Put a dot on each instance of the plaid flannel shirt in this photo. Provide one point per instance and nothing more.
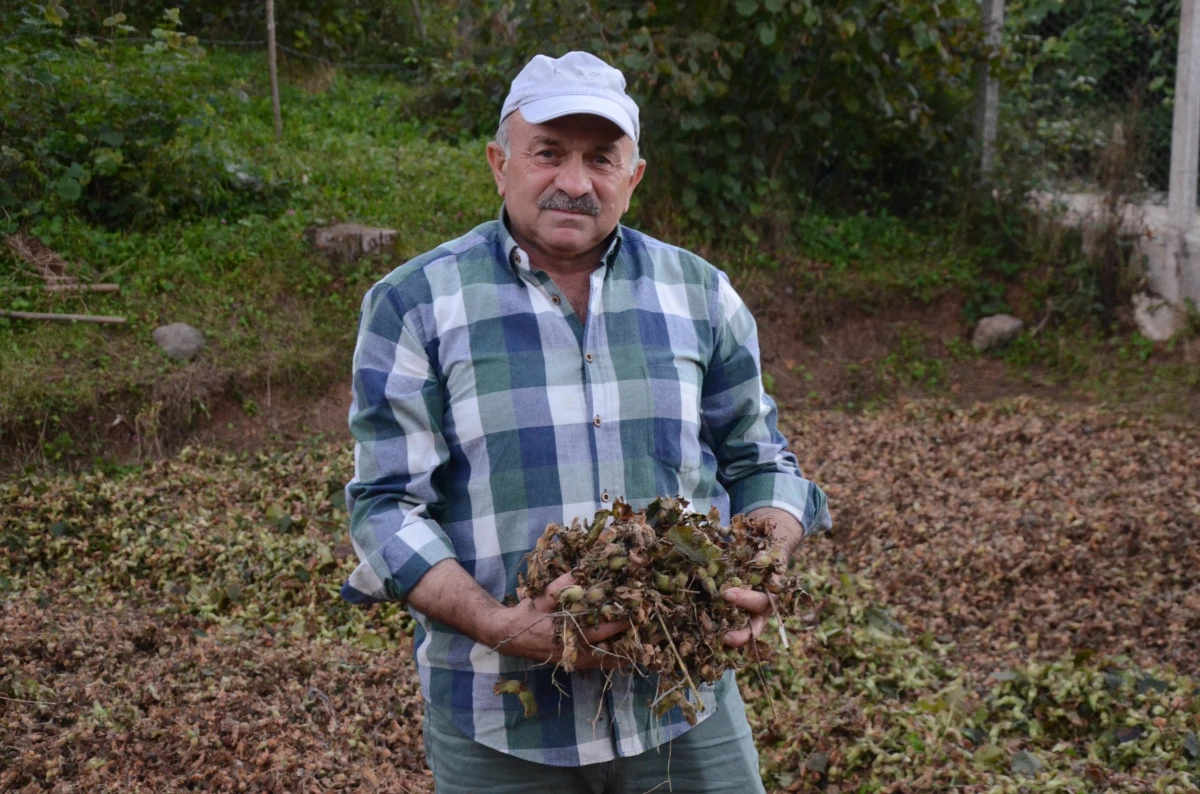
(484, 409)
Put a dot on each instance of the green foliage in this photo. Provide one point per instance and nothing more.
(269, 306)
(911, 364)
(1076, 66)
(114, 135)
(402, 32)
(859, 704)
(748, 107)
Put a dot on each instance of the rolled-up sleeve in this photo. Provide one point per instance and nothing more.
(396, 418)
(739, 423)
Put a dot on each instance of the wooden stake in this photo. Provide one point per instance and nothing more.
(72, 318)
(69, 288)
(271, 63)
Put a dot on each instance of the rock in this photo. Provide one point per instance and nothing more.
(817, 762)
(1026, 763)
(179, 340)
(1157, 319)
(996, 331)
(348, 242)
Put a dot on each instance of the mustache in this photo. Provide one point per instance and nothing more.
(558, 200)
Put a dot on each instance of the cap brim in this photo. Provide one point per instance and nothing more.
(543, 110)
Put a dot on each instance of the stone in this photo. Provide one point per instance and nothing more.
(1156, 318)
(180, 341)
(349, 242)
(1026, 763)
(996, 331)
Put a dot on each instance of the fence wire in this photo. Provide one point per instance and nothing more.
(1088, 94)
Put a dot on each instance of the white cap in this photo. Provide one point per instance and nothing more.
(578, 82)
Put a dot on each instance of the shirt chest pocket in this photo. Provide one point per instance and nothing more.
(674, 424)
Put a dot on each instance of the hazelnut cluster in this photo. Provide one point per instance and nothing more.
(664, 570)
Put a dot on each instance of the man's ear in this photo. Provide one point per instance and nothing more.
(634, 179)
(499, 164)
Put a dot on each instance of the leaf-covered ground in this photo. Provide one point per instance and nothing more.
(1010, 603)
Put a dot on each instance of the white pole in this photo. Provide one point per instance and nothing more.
(987, 97)
(1179, 278)
(273, 69)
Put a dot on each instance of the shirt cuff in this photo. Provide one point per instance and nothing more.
(801, 498)
(393, 570)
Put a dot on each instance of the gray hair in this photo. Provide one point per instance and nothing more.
(502, 140)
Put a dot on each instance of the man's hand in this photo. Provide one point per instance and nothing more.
(527, 630)
(787, 532)
(785, 529)
(757, 604)
(449, 594)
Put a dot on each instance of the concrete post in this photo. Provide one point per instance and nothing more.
(1179, 276)
(987, 90)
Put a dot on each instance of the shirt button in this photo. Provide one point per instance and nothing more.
(555, 300)
(604, 496)
(588, 357)
(516, 256)
(596, 421)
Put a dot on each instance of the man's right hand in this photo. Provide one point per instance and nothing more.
(528, 631)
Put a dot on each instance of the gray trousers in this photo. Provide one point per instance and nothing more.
(715, 757)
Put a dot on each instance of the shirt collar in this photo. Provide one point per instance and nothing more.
(519, 260)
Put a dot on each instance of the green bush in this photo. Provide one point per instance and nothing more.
(113, 134)
(750, 108)
(1076, 66)
(394, 31)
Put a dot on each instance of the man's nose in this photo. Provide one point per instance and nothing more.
(572, 177)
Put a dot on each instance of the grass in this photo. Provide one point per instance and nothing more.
(266, 302)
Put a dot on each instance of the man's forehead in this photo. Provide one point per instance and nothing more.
(596, 129)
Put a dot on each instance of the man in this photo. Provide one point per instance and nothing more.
(532, 371)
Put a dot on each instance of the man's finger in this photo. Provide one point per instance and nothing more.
(739, 637)
(603, 631)
(548, 601)
(749, 600)
(757, 624)
(561, 583)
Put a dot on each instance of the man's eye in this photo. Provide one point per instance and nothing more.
(602, 160)
(546, 153)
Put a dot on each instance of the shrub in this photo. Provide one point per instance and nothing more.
(113, 134)
(750, 106)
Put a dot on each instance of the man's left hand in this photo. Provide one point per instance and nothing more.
(787, 532)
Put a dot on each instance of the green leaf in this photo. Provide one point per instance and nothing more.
(766, 34)
(172, 15)
(774, 6)
(746, 7)
(68, 189)
(988, 755)
(684, 539)
(112, 138)
(55, 15)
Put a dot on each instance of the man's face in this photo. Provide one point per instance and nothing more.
(566, 183)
